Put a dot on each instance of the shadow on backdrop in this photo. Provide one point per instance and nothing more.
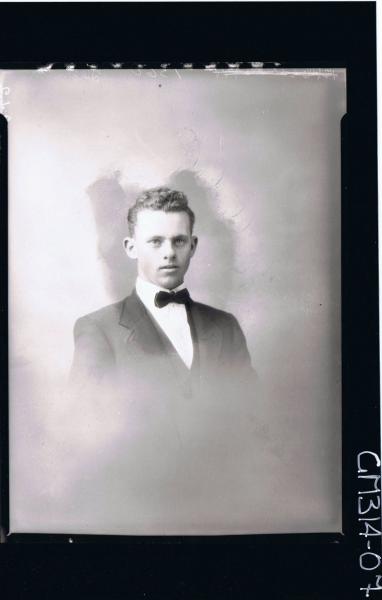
(109, 202)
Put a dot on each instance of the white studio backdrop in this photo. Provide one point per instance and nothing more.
(258, 154)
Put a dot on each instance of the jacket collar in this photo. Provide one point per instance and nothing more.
(141, 329)
(133, 310)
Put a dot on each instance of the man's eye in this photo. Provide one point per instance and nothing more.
(155, 242)
(180, 242)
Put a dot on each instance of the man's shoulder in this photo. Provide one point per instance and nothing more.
(103, 315)
(215, 314)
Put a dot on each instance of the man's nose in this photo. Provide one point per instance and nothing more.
(168, 249)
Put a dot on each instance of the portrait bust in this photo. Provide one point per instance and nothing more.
(159, 337)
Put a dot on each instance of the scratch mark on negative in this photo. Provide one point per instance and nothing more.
(246, 226)
(237, 213)
(219, 180)
(145, 146)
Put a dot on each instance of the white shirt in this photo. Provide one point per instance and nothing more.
(172, 319)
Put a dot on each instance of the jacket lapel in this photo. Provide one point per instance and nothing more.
(209, 338)
(141, 329)
(144, 335)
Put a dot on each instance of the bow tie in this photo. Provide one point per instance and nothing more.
(164, 298)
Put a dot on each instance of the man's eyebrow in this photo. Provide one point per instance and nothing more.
(155, 237)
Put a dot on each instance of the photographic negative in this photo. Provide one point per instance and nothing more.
(215, 410)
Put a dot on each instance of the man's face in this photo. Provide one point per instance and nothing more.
(163, 246)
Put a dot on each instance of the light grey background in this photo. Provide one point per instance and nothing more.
(258, 153)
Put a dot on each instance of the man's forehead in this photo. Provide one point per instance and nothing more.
(148, 219)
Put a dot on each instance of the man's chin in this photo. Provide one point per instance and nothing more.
(169, 281)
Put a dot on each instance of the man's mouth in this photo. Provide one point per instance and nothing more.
(169, 268)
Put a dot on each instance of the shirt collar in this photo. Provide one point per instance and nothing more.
(147, 290)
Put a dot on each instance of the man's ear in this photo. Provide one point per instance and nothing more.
(194, 243)
(130, 248)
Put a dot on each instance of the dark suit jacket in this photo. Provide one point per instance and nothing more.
(121, 345)
(167, 443)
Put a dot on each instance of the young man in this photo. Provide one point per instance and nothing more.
(159, 339)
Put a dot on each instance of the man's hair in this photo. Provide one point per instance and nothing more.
(161, 198)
